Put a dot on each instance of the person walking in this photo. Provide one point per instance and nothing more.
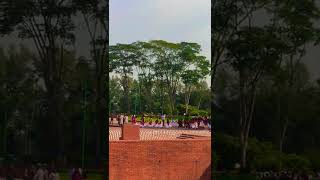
(39, 174)
(126, 119)
(53, 174)
(133, 119)
(121, 119)
(76, 175)
(163, 117)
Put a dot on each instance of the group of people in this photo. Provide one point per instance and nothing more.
(162, 122)
(286, 175)
(38, 172)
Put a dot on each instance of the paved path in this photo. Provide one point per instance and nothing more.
(157, 133)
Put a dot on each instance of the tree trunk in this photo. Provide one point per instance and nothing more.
(187, 98)
(244, 144)
(100, 107)
(199, 103)
(125, 86)
(247, 104)
(53, 84)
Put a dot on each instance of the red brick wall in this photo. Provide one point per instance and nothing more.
(160, 160)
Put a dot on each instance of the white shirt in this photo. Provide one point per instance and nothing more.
(39, 175)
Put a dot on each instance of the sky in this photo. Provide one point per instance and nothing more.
(169, 20)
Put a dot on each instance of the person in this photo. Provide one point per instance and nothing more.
(114, 119)
(209, 125)
(76, 175)
(40, 173)
(26, 174)
(118, 119)
(150, 124)
(32, 171)
(133, 119)
(45, 172)
(168, 124)
(121, 119)
(192, 124)
(163, 117)
(180, 123)
(126, 119)
(142, 121)
(53, 174)
(156, 124)
(201, 124)
(71, 172)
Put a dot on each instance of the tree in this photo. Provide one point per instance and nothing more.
(48, 23)
(94, 13)
(296, 28)
(252, 52)
(173, 62)
(122, 59)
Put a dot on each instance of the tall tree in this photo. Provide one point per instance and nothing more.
(123, 57)
(253, 51)
(295, 23)
(95, 16)
(48, 23)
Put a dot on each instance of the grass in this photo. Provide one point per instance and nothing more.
(90, 176)
(234, 177)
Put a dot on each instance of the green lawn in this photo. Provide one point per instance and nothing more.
(65, 176)
(234, 177)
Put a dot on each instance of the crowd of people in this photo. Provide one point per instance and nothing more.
(287, 175)
(38, 172)
(161, 121)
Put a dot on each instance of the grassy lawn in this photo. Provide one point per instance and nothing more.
(65, 176)
(234, 177)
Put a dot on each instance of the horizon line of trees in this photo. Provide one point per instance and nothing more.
(158, 77)
(260, 83)
(51, 27)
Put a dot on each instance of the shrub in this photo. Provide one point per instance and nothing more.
(313, 156)
(294, 162)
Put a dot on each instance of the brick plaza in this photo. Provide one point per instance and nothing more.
(158, 133)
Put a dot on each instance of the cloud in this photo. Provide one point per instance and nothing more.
(171, 20)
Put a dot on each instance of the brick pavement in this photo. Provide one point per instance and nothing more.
(158, 133)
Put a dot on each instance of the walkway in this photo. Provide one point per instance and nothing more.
(157, 133)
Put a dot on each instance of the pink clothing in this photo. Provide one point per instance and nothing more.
(133, 120)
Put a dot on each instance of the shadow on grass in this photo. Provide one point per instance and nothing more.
(233, 177)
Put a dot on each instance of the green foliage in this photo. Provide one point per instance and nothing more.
(295, 163)
(234, 177)
(313, 157)
(262, 155)
(193, 111)
(227, 148)
(260, 67)
(167, 73)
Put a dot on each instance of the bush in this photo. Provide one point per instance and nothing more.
(267, 161)
(228, 149)
(193, 111)
(294, 162)
(313, 156)
(260, 155)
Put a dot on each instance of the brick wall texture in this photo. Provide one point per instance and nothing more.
(187, 159)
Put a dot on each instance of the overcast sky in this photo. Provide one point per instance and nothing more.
(170, 20)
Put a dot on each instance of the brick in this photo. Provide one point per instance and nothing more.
(180, 159)
(130, 132)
